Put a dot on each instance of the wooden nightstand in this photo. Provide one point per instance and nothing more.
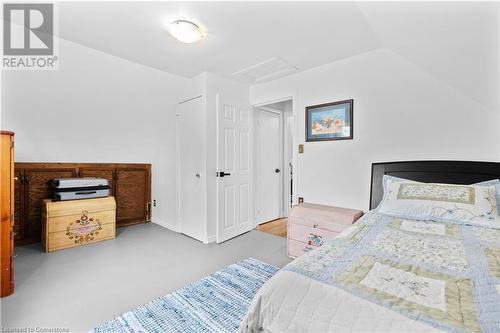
(310, 225)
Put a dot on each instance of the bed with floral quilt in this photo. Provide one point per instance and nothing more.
(394, 271)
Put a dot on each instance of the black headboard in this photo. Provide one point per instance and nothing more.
(448, 172)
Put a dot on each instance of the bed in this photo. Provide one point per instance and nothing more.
(394, 272)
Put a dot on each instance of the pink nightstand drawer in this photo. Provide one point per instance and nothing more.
(310, 235)
(296, 248)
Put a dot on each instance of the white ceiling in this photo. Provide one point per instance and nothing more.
(456, 42)
(240, 34)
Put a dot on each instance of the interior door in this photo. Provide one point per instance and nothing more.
(192, 183)
(268, 164)
(234, 165)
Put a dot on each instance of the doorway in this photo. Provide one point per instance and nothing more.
(273, 161)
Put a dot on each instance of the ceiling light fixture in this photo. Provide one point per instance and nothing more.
(186, 31)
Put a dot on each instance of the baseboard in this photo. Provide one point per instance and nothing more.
(258, 221)
(170, 226)
(211, 239)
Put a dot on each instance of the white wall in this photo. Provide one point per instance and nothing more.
(97, 108)
(400, 113)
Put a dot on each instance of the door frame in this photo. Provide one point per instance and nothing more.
(295, 142)
(257, 188)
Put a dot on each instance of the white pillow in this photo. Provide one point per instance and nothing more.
(430, 201)
(493, 182)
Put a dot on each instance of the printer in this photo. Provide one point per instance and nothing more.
(79, 188)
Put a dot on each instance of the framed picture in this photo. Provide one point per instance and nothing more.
(330, 121)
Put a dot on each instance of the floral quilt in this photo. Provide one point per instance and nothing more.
(446, 275)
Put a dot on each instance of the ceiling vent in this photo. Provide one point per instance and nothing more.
(266, 70)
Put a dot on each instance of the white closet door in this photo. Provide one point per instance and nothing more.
(191, 155)
(234, 160)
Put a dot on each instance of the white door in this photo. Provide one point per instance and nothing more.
(192, 185)
(268, 165)
(234, 165)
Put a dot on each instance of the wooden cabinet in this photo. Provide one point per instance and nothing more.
(100, 172)
(129, 183)
(131, 186)
(18, 202)
(7, 188)
(36, 188)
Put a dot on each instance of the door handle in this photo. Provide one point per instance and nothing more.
(223, 174)
(277, 170)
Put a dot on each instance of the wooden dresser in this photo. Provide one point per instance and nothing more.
(310, 225)
(7, 212)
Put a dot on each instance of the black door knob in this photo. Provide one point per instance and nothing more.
(223, 174)
(277, 170)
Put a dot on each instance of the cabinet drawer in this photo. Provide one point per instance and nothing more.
(310, 235)
(296, 248)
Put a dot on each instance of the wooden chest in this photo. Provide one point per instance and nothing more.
(73, 223)
(310, 225)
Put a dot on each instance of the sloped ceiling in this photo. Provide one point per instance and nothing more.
(457, 42)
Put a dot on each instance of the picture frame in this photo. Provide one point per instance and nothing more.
(329, 121)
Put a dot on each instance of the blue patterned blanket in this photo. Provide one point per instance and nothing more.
(444, 274)
(216, 303)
